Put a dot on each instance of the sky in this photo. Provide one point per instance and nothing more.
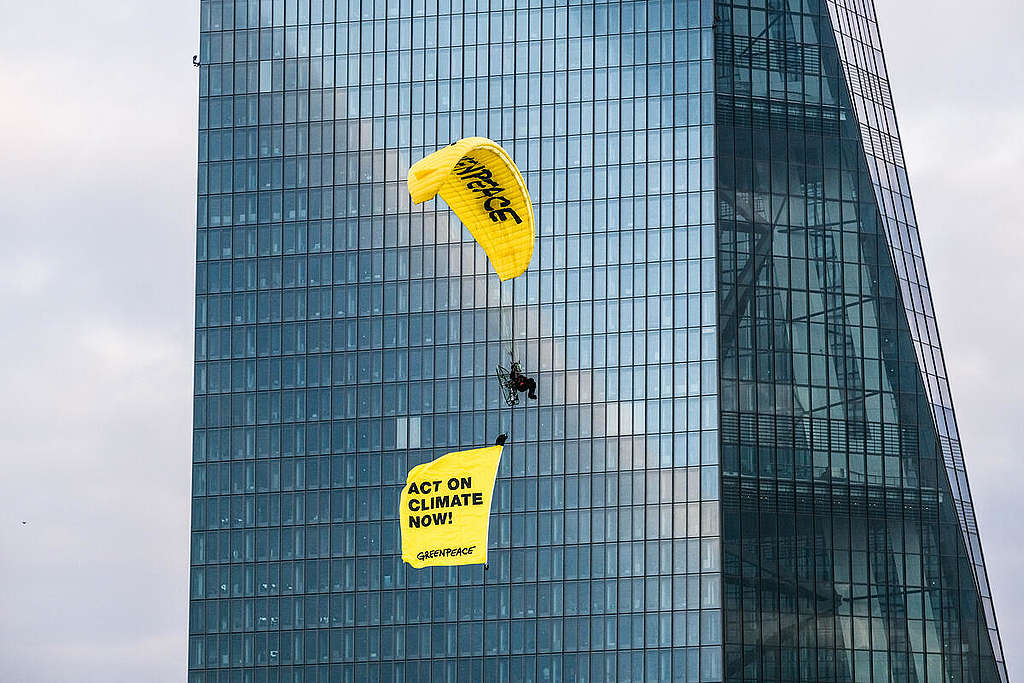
(97, 185)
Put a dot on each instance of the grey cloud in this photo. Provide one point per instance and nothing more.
(96, 282)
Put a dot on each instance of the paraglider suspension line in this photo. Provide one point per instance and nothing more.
(513, 344)
(512, 351)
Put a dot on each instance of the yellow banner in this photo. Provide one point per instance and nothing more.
(445, 507)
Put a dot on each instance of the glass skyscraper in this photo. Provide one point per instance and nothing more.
(744, 463)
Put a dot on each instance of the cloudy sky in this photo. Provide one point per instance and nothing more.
(97, 177)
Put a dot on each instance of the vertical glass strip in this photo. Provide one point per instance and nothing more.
(842, 552)
(860, 52)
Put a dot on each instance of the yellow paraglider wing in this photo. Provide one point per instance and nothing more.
(478, 180)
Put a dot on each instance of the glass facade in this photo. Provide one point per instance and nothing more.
(714, 274)
(344, 336)
(849, 545)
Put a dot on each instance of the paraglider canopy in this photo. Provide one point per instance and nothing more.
(478, 180)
